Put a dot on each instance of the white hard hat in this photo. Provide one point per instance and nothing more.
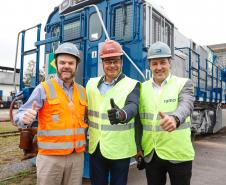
(159, 50)
(68, 48)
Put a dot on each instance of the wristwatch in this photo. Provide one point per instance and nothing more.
(177, 120)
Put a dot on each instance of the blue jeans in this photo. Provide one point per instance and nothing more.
(101, 168)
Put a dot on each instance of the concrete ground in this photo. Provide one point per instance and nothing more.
(209, 165)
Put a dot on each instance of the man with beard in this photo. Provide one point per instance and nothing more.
(60, 104)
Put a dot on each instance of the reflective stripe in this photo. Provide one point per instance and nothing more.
(81, 93)
(146, 116)
(159, 128)
(151, 116)
(181, 127)
(93, 113)
(93, 125)
(147, 127)
(51, 145)
(117, 127)
(51, 89)
(80, 131)
(104, 116)
(80, 143)
(111, 127)
(66, 132)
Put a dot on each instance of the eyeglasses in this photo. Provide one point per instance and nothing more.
(111, 61)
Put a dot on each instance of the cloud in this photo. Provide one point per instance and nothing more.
(19, 15)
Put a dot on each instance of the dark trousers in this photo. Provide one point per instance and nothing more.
(179, 173)
(101, 168)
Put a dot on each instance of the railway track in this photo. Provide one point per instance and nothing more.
(9, 134)
(4, 119)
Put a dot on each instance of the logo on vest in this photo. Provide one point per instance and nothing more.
(170, 101)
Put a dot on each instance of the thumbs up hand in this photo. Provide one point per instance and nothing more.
(30, 114)
(115, 114)
(113, 105)
(168, 123)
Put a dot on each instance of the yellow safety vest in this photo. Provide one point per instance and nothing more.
(174, 145)
(115, 141)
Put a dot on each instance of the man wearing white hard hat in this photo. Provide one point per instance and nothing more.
(60, 104)
(166, 102)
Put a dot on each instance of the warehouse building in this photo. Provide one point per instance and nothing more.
(6, 82)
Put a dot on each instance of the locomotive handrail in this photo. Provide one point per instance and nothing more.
(215, 71)
(16, 55)
(107, 36)
(15, 64)
(101, 20)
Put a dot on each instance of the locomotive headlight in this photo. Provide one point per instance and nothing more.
(69, 3)
(64, 5)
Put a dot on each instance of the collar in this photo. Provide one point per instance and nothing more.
(115, 81)
(163, 83)
(61, 82)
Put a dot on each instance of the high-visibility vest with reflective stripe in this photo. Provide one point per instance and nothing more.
(61, 128)
(174, 145)
(115, 141)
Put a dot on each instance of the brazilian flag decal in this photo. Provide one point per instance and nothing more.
(51, 64)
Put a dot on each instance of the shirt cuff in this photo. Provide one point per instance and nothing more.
(18, 121)
(125, 116)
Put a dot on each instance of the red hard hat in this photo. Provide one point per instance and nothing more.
(111, 48)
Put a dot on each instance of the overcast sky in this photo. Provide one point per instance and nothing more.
(201, 20)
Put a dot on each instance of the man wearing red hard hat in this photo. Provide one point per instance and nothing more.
(112, 106)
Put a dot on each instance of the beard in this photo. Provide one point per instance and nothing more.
(66, 75)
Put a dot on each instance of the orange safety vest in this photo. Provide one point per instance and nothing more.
(61, 127)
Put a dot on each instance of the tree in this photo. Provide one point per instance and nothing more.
(29, 75)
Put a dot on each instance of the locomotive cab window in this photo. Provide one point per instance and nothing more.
(95, 29)
(157, 28)
(72, 30)
(122, 22)
(55, 31)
